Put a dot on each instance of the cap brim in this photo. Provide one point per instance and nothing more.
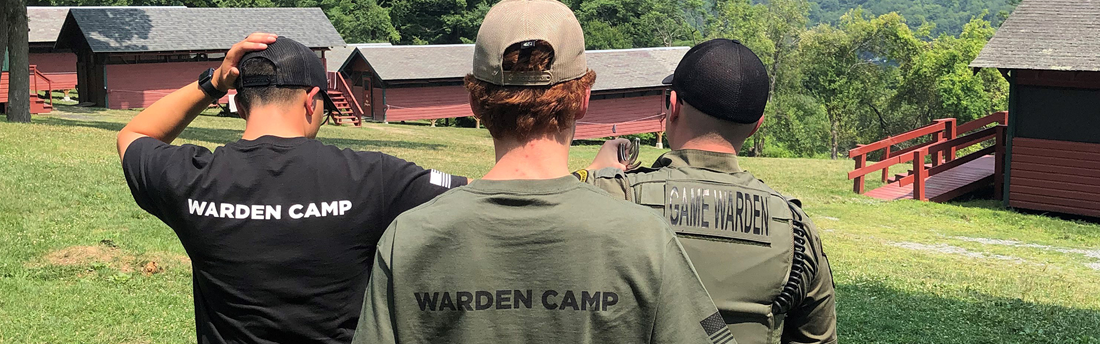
(668, 79)
(329, 105)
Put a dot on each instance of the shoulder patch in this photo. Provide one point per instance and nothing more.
(581, 174)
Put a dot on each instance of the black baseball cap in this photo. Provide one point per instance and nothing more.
(295, 65)
(724, 79)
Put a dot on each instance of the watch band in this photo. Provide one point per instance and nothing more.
(207, 87)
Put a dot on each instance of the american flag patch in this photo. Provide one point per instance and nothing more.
(441, 179)
(716, 329)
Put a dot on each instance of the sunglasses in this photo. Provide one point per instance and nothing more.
(668, 98)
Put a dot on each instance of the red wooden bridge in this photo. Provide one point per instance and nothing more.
(938, 174)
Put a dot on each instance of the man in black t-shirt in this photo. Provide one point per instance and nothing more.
(281, 229)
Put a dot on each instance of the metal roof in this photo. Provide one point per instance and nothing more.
(137, 29)
(1059, 35)
(615, 69)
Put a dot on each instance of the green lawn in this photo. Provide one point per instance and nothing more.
(73, 243)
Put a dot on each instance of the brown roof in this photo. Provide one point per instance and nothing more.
(1047, 35)
(615, 69)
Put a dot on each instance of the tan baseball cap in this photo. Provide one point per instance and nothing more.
(514, 21)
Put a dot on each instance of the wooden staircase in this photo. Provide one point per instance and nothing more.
(345, 116)
(948, 175)
(349, 110)
(38, 82)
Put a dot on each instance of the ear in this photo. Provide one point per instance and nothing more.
(240, 109)
(674, 107)
(584, 104)
(474, 108)
(758, 124)
(310, 103)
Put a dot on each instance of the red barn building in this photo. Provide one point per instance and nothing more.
(1049, 50)
(401, 83)
(57, 65)
(131, 57)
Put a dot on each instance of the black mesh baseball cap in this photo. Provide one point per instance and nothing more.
(295, 65)
(724, 79)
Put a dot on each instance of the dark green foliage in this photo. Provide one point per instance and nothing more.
(949, 16)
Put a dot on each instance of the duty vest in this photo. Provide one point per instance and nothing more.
(748, 243)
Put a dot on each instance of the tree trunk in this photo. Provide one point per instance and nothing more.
(19, 81)
(834, 136)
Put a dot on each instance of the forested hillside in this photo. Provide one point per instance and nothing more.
(949, 16)
(857, 76)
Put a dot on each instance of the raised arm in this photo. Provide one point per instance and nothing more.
(167, 117)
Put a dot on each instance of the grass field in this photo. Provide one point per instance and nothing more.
(74, 246)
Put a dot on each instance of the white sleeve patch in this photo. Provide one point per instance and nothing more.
(441, 179)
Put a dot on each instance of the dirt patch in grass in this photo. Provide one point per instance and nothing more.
(89, 256)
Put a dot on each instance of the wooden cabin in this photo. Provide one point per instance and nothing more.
(1049, 51)
(403, 83)
(131, 57)
(56, 64)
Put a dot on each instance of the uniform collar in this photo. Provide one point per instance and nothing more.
(719, 162)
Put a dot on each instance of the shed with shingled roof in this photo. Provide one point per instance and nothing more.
(1049, 51)
(131, 57)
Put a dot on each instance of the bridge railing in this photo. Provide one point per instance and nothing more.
(922, 172)
(941, 131)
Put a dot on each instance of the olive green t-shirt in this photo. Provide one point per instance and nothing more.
(534, 261)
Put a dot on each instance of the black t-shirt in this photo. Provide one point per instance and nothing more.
(281, 231)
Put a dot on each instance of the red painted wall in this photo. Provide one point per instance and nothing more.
(1055, 176)
(606, 117)
(60, 68)
(622, 116)
(406, 104)
(131, 86)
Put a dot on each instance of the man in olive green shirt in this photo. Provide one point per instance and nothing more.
(529, 254)
(757, 253)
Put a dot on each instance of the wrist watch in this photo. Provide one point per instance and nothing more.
(207, 87)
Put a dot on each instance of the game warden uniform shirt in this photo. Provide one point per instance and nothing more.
(281, 231)
(534, 261)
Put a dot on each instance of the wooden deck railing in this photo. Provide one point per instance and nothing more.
(35, 77)
(942, 147)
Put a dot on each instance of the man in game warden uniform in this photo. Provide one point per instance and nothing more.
(281, 229)
(529, 254)
(757, 253)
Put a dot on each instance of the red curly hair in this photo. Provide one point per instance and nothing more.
(523, 112)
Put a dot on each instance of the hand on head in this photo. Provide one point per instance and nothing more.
(226, 75)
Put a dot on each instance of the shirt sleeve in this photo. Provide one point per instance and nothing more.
(408, 185)
(685, 312)
(376, 322)
(612, 180)
(152, 167)
(814, 320)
